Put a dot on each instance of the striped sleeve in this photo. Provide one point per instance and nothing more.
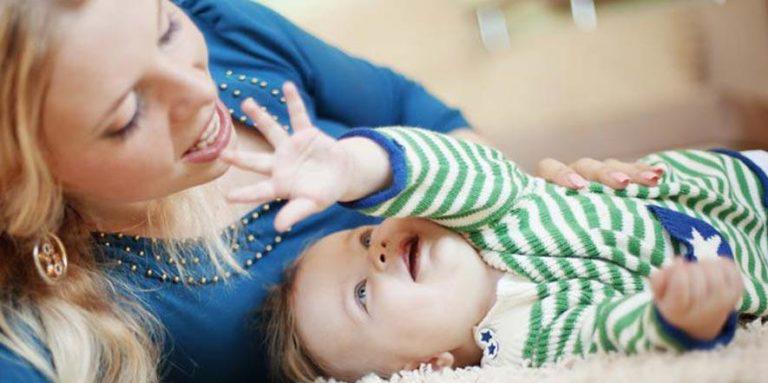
(458, 184)
(629, 324)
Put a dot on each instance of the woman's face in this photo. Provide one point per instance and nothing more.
(132, 113)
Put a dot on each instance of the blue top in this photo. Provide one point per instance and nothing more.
(253, 50)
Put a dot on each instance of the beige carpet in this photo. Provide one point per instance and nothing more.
(744, 360)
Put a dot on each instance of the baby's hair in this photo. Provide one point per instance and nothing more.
(289, 360)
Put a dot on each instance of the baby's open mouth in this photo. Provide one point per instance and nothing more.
(410, 252)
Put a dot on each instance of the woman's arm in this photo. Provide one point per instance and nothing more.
(336, 86)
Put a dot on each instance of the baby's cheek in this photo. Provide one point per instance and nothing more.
(414, 309)
(421, 325)
(451, 256)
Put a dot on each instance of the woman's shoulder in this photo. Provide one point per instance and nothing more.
(226, 14)
(246, 33)
(14, 368)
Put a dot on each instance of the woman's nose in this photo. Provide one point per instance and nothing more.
(194, 93)
(187, 90)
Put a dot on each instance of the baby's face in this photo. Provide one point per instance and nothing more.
(390, 297)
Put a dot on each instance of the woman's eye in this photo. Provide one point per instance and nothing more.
(361, 294)
(173, 27)
(365, 238)
(131, 126)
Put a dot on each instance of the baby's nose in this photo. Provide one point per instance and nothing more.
(379, 254)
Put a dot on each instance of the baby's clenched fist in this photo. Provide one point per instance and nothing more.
(698, 297)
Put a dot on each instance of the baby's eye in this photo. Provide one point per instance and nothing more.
(361, 293)
(365, 238)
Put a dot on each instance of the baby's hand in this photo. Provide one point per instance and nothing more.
(309, 168)
(698, 297)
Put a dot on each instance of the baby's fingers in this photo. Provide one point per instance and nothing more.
(659, 283)
(264, 122)
(255, 162)
(733, 280)
(715, 275)
(257, 194)
(679, 292)
(293, 212)
(296, 110)
(699, 283)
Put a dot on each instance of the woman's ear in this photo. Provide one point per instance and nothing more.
(438, 362)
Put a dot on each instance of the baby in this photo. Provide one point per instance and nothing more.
(479, 263)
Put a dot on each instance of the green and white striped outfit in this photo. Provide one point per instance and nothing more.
(578, 261)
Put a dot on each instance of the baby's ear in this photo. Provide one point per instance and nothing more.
(438, 362)
(441, 361)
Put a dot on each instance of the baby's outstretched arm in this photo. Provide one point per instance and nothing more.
(384, 172)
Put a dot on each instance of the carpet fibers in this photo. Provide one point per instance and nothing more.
(744, 360)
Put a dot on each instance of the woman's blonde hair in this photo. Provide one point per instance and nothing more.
(84, 328)
(290, 361)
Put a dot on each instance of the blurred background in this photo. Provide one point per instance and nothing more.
(571, 78)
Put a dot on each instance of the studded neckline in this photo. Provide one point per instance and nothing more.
(235, 85)
(146, 256)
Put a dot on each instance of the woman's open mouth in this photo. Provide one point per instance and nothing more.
(214, 138)
(410, 255)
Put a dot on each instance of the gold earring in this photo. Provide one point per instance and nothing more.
(50, 258)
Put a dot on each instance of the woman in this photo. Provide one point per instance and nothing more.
(116, 249)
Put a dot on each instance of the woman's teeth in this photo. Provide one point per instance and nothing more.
(210, 134)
